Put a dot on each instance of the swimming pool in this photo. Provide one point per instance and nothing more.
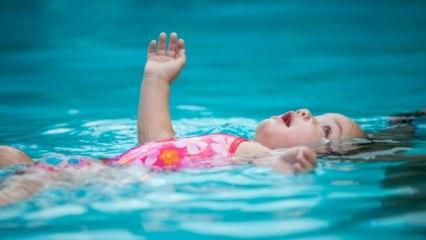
(70, 73)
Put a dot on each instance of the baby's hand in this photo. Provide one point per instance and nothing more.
(295, 159)
(165, 64)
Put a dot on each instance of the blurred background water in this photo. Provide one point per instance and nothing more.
(69, 81)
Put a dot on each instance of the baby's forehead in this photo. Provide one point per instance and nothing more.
(332, 116)
(337, 118)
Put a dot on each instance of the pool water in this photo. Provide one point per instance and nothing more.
(70, 74)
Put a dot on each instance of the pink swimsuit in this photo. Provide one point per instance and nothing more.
(171, 154)
(203, 151)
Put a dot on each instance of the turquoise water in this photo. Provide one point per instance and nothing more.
(70, 73)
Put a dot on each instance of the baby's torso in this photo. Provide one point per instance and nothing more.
(168, 154)
(193, 152)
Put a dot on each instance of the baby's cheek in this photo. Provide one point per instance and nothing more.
(293, 137)
(288, 141)
(308, 137)
(274, 133)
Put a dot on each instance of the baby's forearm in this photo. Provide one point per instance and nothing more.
(261, 160)
(282, 160)
(153, 115)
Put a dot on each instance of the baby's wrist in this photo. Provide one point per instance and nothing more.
(149, 77)
(156, 82)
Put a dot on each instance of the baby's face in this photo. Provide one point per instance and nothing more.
(301, 128)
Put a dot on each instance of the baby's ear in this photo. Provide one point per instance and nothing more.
(10, 156)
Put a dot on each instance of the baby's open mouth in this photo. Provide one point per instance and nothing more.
(287, 118)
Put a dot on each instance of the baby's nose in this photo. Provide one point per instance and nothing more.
(305, 113)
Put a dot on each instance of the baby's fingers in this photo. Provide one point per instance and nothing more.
(311, 156)
(151, 48)
(162, 44)
(298, 167)
(303, 161)
(171, 51)
(180, 50)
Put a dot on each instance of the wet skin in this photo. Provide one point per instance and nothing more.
(299, 127)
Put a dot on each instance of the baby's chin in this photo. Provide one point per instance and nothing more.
(263, 138)
(268, 140)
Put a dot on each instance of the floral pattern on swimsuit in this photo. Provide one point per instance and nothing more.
(173, 154)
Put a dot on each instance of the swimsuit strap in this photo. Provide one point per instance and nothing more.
(234, 146)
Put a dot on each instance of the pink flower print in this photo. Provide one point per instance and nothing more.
(132, 155)
(221, 145)
(186, 163)
(151, 158)
(193, 146)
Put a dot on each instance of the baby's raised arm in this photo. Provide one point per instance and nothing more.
(163, 65)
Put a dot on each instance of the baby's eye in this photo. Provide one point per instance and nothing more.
(327, 130)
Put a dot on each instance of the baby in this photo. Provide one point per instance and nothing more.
(280, 141)
(294, 128)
